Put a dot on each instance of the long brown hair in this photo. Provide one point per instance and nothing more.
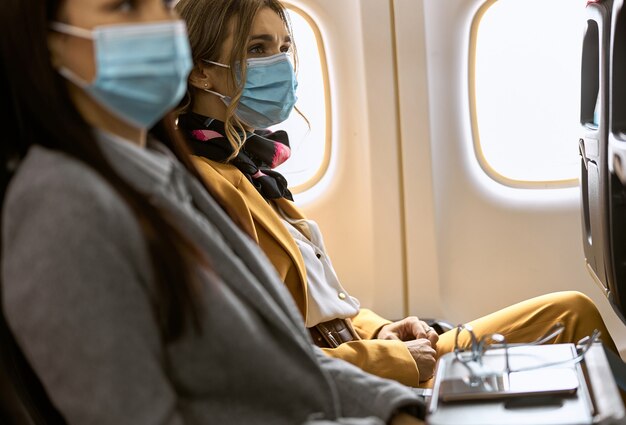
(208, 24)
(30, 87)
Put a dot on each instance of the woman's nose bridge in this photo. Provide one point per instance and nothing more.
(275, 46)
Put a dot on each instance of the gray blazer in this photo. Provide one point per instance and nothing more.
(77, 284)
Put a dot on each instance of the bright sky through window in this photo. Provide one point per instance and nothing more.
(307, 144)
(527, 76)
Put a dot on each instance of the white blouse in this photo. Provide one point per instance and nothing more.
(326, 299)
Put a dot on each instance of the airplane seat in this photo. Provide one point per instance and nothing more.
(24, 400)
(600, 196)
(617, 158)
(440, 326)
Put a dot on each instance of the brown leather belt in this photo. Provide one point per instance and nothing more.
(333, 333)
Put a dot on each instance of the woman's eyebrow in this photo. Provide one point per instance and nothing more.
(267, 37)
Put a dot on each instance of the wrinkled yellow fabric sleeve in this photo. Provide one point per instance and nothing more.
(367, 323)
(385, 358)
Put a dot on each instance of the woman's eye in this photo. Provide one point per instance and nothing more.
(256, 49)
(123, 6)
(285, 49)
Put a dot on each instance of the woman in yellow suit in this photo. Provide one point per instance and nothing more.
(243, 81)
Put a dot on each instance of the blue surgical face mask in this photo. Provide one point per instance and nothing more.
(269, 93)
(141, 69)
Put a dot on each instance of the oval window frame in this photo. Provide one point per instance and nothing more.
(484, 164)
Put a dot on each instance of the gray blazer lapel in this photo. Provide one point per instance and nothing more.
(236, 259)
(239, 262)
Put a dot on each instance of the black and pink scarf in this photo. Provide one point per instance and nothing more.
(262, 151)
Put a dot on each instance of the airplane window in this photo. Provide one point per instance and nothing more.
(526, 90)
(310, 143)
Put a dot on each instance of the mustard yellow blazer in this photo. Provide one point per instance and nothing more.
(385, 358)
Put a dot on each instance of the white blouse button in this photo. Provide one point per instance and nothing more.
(342, 296)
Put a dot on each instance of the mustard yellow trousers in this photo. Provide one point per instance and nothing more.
(528, 320)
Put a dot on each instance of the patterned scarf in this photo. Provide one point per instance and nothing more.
(262, 151)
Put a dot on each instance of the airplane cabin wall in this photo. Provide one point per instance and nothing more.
(359, 211)
(411, 222)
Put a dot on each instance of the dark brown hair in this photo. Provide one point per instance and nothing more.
(38, 110)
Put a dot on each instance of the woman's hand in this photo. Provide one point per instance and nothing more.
(425, 357)
(419, 338)
(408, 329)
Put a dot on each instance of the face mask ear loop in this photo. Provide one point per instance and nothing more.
(71, 76)
(71, 30)
(221, 96)
(76, 32)
(216, 63)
